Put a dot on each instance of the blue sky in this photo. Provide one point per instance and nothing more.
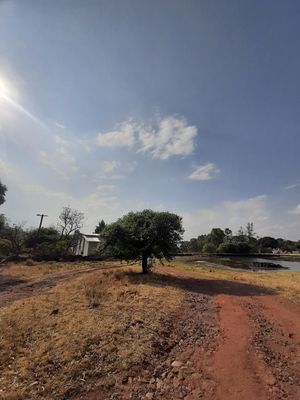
(192, 107)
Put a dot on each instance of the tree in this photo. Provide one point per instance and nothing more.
(101, 225)
(267, 243)
(216, 236)
(228, 235)
(16, 236)
(209, 248)
(250, 231)
(3, 190)
(140, 235)
(70, 221)
(44, 235)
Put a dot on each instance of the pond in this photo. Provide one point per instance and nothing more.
(252, 263)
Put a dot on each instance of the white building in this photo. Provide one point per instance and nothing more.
(87, 245)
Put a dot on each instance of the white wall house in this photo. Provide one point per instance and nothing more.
(87, 245)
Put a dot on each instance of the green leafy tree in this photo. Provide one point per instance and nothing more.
(202, 240)
(143, 235)
(3, 190)
(228, 235)
(99, 228)
(16, 235)
(216, 236)
(209, 248)
(44, 235)
(267, 243)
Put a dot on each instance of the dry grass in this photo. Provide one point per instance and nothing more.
(286, 283)
(57, 344)
(42, 269)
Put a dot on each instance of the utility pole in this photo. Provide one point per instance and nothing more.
(41, 222)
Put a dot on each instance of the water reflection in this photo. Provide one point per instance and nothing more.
(252, 263)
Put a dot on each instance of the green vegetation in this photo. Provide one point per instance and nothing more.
(3, 190)
(99, 228)
(245, 241)
(143, 235)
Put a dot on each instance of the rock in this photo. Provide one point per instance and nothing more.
(176, 364)
(270, 380)
(159, 383)
(149, 395)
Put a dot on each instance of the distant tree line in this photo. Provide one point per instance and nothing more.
(244, 241)
(136, 236)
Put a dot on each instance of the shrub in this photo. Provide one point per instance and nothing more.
(94, 291)
(29, 262)
(5, 247)
(227, 248)
(51, 251)
(209, 248)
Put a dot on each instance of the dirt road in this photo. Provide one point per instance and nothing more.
(229, 341)
(12, 289)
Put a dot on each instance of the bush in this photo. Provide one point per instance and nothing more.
(5, 247)
(29, 262)
(227, 248)
(50, 251)
(44, 235)
(95, 291)
(209, 248)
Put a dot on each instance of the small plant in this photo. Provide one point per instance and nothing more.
(29, 262)
(94, 292)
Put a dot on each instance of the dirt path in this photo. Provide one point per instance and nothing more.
(237, 372)
(242, 344)
(12, 289)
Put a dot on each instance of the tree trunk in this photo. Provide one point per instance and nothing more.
(145, 263)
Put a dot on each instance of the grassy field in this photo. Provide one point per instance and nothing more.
(286, 283)
(56, 344)
(53, 343)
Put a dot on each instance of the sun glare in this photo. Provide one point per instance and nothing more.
(6, 90)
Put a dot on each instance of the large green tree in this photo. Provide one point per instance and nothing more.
(3, 190)
(140, 235)
(99, 228)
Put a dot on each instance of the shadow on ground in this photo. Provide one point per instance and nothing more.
(7, 282)
(210, 287)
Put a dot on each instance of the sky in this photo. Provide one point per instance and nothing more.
(192, 106)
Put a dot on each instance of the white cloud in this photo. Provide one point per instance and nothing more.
(61, 141)
(61, 126)
(110, 166)
(293, 186)
(205, 172)
(172, 136)
(296, 210)
(100, 202)
(232, 214)
(61, 162)
(123, 136)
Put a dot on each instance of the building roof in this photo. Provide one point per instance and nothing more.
(91, 237)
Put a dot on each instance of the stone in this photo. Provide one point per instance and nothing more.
(176, 364)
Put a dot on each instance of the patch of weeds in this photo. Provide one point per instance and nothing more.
(94, 291)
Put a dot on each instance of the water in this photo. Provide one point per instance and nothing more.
(253, 263)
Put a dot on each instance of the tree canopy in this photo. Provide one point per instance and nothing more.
(140, 235)
(101, 225)
(3, 190)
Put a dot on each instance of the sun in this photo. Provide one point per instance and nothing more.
(6, 90)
